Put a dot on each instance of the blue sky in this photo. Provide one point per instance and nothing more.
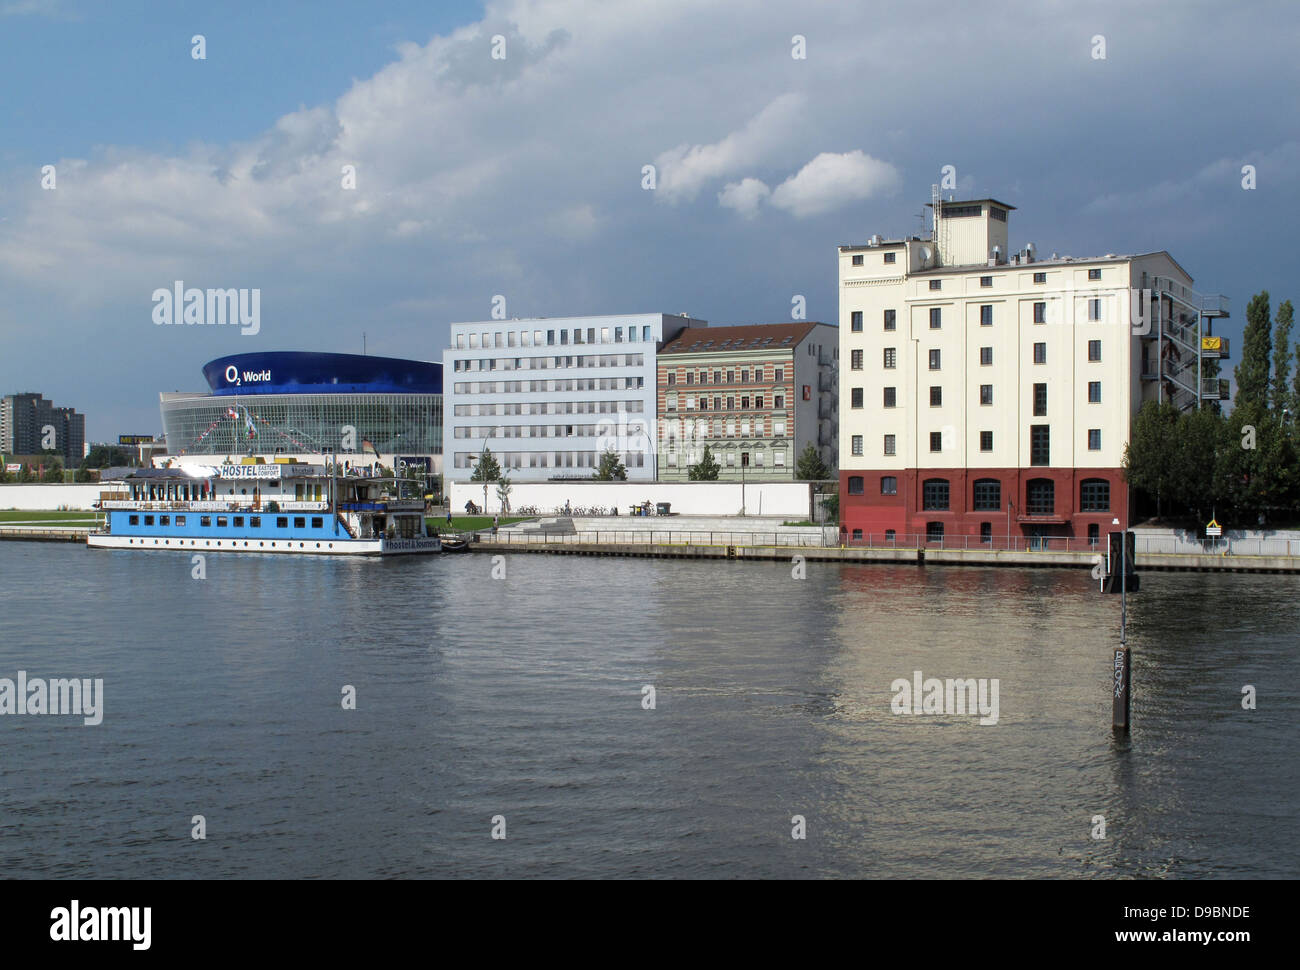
(522, 176)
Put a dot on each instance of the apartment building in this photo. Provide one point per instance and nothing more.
(755, 395)
(549, 395)
(991, 395)
(29, 425)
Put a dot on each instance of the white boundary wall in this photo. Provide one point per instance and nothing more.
(50, 496)
(788, 499)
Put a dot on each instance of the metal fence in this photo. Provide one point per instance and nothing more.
(1150, 545)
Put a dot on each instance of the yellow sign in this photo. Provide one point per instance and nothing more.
(1211, 343)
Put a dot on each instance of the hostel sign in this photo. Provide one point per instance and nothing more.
(249, 471)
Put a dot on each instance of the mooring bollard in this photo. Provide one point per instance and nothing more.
(1120, 703)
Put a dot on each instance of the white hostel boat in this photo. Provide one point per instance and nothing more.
(282, 507)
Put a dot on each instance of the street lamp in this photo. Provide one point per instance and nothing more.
(485, 484)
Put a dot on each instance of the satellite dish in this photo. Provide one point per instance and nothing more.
(925, 254)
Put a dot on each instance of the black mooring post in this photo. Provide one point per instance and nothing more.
(1120, 706)
(1122, 551)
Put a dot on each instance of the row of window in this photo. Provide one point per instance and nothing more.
(986, 396)
(728, 458)
(548, 363)
(549, 338)
(1095, 315)
(1040, 443)
(704, 429)
(986, 494)
(889, 356)
(778, 375)
(223, 522)
(670, 402)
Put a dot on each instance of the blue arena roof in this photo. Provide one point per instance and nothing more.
(293, 372)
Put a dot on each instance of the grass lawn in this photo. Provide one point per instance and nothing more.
(21, 515)
(803, 523)
(469, 523)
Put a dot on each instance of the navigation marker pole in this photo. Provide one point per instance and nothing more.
(1122, 552)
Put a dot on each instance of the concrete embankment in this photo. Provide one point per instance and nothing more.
(42, 533)
(919, 557)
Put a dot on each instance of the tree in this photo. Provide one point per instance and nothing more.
(611, 468)
(53, 473)
(106, 456)
(1149, 456)
(486, 469)
(503, 493)
(708, 468)
(1282, 397)
(810, 467)
(1256, 349)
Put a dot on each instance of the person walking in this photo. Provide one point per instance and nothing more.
(496, 520)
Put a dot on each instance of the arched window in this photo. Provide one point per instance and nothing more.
(1094, 495)
(934, 495)
(1040, 496)
(987, 495)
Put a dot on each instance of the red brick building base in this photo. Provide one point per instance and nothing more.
(867, 511)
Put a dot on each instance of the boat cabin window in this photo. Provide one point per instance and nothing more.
(316, 522)
(239, 522)
(164, 520)
(135, 520)
(299, 522)
(255, 521)
(148, 520)
(180, 520)
(221, 521)
(282, 522)
(205, 521)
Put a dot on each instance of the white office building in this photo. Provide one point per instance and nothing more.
(549, 395)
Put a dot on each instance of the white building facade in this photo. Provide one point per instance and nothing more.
(987, 396)
(549, 395)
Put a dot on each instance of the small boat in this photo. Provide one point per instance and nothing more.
(456, 543)
(283, 507)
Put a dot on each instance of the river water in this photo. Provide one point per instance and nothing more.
(521, 696)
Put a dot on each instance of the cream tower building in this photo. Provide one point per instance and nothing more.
(988, 395)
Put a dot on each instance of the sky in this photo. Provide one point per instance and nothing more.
(521, 175)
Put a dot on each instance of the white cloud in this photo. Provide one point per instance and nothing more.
(744, 196)
(684, 170)
(832, 180)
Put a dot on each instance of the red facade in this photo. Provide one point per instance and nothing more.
(1026, 505)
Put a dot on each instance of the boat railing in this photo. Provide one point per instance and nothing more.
(215, 506)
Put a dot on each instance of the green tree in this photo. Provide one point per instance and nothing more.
(1150, 455)
(1256, 350)
(503, 494)
(708, 468)
(486, 469)
(53, 473)
(810, 467)
(611, 468)
(1256, 466)
(1198, 436)
(1282, 398)
(106, 456)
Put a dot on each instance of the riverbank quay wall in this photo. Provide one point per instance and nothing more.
(1038, 559)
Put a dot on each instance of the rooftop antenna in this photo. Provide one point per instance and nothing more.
(920, 222)
(363, 343)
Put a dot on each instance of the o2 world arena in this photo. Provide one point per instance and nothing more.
(304, 405)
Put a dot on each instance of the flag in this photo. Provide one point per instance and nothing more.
(232, 413)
